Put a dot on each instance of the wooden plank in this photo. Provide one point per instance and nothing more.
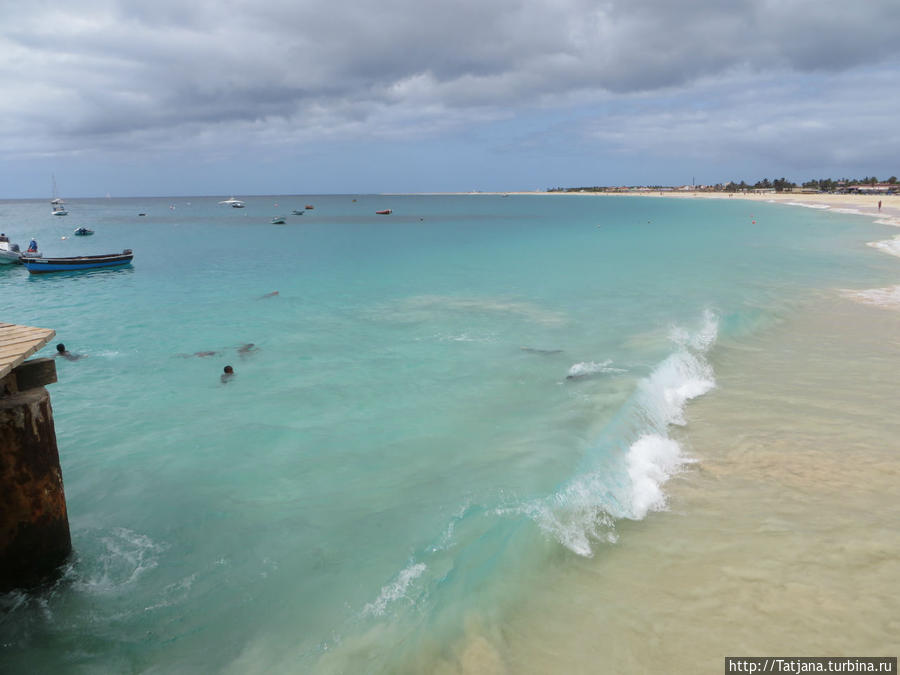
(12, 342)
(9, 353)
(17, 343)
(10, 331)
(19, 339)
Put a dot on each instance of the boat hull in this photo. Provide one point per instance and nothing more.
(86, 262)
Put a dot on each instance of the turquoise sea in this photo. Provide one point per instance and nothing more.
(439, 408)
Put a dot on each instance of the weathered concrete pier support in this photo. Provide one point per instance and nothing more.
(34, 524)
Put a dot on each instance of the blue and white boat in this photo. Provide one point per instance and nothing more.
(82, 262)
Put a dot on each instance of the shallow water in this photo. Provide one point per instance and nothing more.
(446, 414)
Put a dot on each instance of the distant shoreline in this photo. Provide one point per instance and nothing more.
(865, 205)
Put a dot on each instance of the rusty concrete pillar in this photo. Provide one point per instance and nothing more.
(34, 524)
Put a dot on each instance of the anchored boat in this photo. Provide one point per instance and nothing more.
(75, 263)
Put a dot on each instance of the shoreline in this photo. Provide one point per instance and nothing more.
(852, 204)
(785, 518)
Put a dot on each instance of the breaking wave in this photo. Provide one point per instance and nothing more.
(625, 473)
(622, 477)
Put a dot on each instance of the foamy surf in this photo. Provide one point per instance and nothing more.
(590, 368)
(630, 485)
(395, 590)
(889, 246)
(809, 206)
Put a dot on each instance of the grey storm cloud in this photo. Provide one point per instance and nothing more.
(91, 73)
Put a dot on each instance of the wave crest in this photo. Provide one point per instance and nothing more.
(630, 465)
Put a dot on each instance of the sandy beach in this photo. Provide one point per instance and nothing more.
(859, 204)
(842, 203)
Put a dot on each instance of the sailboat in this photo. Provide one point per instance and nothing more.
(57, 209)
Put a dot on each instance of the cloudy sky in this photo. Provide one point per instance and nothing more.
(195, 97)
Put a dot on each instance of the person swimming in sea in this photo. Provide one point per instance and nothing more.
(66, 354)
(227, 374)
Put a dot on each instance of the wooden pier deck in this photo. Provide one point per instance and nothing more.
(17, 343)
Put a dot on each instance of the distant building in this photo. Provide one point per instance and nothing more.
(880, 188)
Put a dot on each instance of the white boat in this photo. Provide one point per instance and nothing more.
(9, 253)
(233, 203)
(57, 209)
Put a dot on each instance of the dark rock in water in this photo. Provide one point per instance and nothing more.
(532, 350)
(247, 349)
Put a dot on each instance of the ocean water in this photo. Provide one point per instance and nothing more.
(438, 412)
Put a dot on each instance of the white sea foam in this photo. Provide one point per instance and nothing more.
(889, 246)
(395, 590)
(588, 368)
(652, 460)
(127, 556)
(584, 510)
(808, 206)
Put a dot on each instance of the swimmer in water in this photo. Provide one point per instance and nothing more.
(66, 354)
(227, 374)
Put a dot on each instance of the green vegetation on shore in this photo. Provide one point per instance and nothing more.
(778, 185)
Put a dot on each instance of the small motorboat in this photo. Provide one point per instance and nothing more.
(297, 212)
(9, 253)
(83, 232)
(385, 212)
(77, 263)
(278, 220)
(309, 207)
(233, 203)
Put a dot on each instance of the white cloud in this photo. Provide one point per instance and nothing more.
(99, 76)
